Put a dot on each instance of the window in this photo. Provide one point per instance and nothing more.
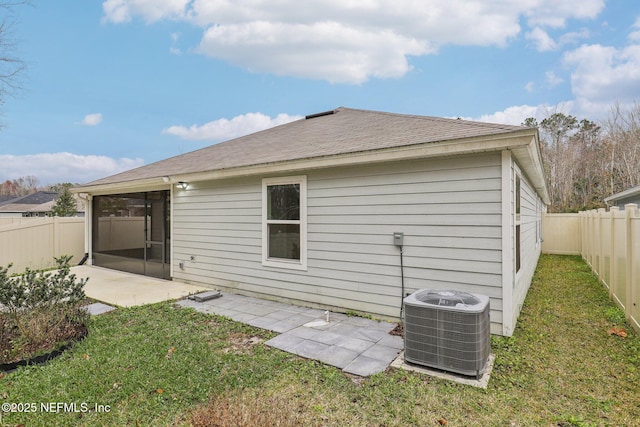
(284, 222)
(517, 231)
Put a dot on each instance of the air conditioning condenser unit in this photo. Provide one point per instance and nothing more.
(447, 330)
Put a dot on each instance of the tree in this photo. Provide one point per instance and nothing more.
(19, 186)
(591, 166)
(65, 204)
(556, 131)
(530, 122)
(11, 67)
(585, 162)
(623, 131)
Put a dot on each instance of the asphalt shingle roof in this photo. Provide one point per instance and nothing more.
(6, 199)
(342, 131)
(39, 201)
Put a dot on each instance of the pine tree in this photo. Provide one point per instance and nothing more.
(65, 204)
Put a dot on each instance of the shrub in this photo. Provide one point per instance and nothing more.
(39, 309)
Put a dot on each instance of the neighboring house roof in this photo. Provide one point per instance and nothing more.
(337, 137)
(631, 193)
(6, 199)
(41, 201)
(37, 198)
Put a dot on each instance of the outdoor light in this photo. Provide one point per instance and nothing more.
(165, 179)
(183, 185)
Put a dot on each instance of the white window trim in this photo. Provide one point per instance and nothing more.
(300, 264)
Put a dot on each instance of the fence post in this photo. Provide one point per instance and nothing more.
(56, 237)
(630, 211)
(587, 238)
(613, 210)
(600, 214)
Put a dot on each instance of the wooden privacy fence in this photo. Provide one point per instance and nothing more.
(611, 246)
(36, 242)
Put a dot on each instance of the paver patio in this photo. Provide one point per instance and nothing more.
(356, 345)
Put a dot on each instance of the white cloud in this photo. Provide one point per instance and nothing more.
(529, 87)
(52, 168)
(573, 37)
(120, 11)
(174, 40)
(551, 79)
(603, 73)
(554, 13)
(350, 41)
(514, 115)
(224, 129)
(324, 51)
(542, 41)
(92, 119)
(634, 36)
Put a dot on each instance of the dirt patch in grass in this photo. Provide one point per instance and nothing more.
(241, 343)
(252, 410)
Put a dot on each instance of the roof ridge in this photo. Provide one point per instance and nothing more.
(437, 118)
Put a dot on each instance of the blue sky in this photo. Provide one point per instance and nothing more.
(117, 84)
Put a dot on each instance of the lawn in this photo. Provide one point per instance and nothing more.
(159, 365)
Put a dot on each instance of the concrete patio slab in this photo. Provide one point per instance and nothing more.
(337, 356)
(98, 308)
(482, 382)
(305, 333)
(127, 290)
(366, 366)
(310, 349)
(381, 352)
(394, 341)
(286, 342)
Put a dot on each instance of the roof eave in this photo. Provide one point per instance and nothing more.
(523, 144)
(146, 184)
(634, 191)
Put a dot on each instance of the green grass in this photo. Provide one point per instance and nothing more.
(158, 365)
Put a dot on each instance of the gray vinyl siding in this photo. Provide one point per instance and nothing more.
(531, 213)
(449, 210)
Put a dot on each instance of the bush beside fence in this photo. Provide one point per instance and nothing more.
(35, 243)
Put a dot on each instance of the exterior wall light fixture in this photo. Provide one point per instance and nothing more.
(182, 185)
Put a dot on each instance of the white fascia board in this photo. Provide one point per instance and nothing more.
(147, 184)
(530, 160)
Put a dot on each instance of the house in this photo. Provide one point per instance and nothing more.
(631, 195)
(306, 212)
(36, 204)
